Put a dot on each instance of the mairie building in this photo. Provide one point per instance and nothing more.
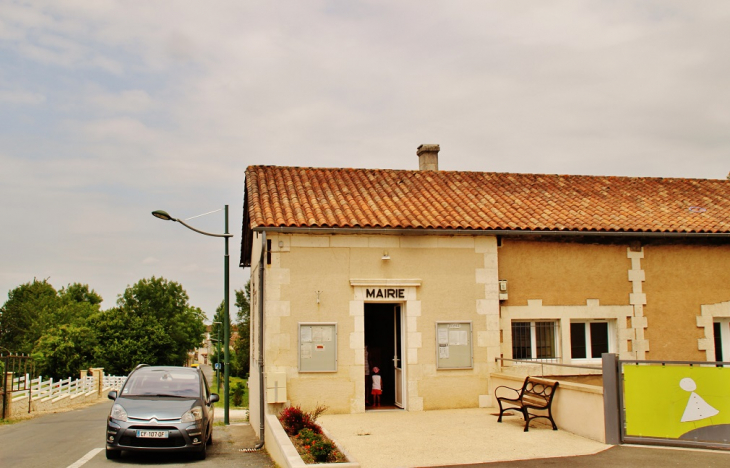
(436, 276)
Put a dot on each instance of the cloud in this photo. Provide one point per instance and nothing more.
(124, 130)
(150, 261)
(112, 109)
(132, 101)
(21, 97)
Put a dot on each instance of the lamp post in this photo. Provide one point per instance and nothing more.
(227, 321)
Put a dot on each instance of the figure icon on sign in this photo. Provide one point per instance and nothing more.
(697, 408)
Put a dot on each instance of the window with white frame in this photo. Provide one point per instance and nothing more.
(589, 340)
(534, 340)
(722, 339)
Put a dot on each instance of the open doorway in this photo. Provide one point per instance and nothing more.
(384, 348)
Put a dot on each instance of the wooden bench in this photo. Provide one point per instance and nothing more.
(535, 394)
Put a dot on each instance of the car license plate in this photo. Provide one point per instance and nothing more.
(152, 434)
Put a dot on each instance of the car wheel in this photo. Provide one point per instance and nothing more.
(113, 454)
(202, 453)
(210, 437)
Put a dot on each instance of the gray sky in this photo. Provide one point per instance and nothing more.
(112, 109)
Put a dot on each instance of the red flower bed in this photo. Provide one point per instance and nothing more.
(307, 437)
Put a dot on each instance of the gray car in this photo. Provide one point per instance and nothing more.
(161, 409)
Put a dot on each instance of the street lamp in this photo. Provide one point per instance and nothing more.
(218, 359)
(226, 322)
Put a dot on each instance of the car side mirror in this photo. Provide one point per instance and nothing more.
(213, 398)
(112, 395)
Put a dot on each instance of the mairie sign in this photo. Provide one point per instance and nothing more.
(385, 293)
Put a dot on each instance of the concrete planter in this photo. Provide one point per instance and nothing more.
(283, 452)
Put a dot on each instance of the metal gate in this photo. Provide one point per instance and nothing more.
(11, 366)
(678, 403)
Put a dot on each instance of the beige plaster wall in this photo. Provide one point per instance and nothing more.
(561, 273)
(679, 280)
(309, 280)
(452, 389)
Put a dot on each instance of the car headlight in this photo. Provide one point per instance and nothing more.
(118, 413)
(194, 414)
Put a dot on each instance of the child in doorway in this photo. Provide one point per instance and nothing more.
(377, 386)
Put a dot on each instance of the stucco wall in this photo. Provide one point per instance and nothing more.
(561, 273)
(679, 280)
(309, 280)
(665, 284)
(573, 281)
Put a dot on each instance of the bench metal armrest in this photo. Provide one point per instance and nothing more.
(516, 390)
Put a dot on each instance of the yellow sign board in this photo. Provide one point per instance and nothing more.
(677, 402)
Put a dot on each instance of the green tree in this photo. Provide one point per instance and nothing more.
(77, 303)
(216, 331)
(241, 345)
(239, 342)
(51, 326)
(126, 340)
(153, 323)
(80, 293)
(26, 315)
(64, 350)
(34, 309)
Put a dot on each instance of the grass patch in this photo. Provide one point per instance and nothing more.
(233, 381)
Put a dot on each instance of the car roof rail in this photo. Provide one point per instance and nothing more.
(141, 365)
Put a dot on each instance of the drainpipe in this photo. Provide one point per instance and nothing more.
(261, 340)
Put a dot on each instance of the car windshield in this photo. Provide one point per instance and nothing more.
(158, 382)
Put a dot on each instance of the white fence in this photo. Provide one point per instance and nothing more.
(114, 382)
(39, 389)
(27, 396)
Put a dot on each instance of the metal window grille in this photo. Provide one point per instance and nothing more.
(545, 340)
(521, 340)
(533, 340)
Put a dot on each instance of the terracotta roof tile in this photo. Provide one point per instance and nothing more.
(377, 198)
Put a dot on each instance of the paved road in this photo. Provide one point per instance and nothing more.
(208, 371)
(54, 440)
(76, 438)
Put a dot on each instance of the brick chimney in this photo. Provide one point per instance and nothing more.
(428, 157)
